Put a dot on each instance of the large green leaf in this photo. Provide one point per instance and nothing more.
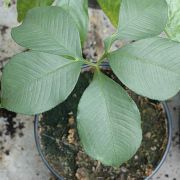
(34, 82)
(24, 5)
(111, 8)
(140, 19)
(49, 29)
(173, 25)
(108, 122)
(150, 67)
(79, 12)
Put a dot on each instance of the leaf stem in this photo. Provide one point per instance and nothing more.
(89, 63)
(167, 34)
(102, 58)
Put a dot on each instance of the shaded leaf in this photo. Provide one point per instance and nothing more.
(51, 30)
(173, 25)
(34, 82)
(79, 11)
(140, 19)
(23, 6)
(108, 122)
(150, 67)
(111, 9)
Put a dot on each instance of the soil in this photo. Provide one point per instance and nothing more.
(61, 146)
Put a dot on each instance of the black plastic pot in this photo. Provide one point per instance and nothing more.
(169, 129)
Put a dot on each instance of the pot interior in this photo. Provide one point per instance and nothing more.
(62, 149)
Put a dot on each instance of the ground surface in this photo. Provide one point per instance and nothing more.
(19, 159)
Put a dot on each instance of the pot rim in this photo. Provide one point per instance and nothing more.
(169, 128)
(169, 133)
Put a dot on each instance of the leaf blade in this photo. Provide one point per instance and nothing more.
(108, 122)
(111, 9)
(51, 30)
(34, 82)
(142, 19)
(139, 20)
(150, 67)
(23, 6)
(79, 11)
(172, 27)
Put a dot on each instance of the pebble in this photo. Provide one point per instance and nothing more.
(148, 135)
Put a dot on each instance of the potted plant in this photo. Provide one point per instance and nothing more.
(108, 120)
(59, 145)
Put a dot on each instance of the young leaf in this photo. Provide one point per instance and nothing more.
(150, 67)
(34, 82)
(108, 122)
(140, 19)
(24, 5)
(173, 25)
(79, 12)
(51, 30)
(111, 8)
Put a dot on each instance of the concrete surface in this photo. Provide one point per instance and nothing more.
(171, 167)
(19, 159)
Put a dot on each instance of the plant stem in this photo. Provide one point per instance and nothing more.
(102, 58)
(90, 63)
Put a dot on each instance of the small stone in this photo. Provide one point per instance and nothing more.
(149, 171)
(75, 95)
(136, 157)
(148, 135)
(153, 148)
(155, 140)
(123, 169)
(71, 136)
(82, 174)
(71, 120)
(93, 169)
(70, 113)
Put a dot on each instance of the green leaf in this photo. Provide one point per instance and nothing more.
(150, 67)
(108, 122)
(173, 25)
(34, 82)
(51, 30)
(23, 6)
(78, 9)
(139, 20)
(111, 8)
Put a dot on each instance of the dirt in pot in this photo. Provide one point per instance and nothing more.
(62, 149)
